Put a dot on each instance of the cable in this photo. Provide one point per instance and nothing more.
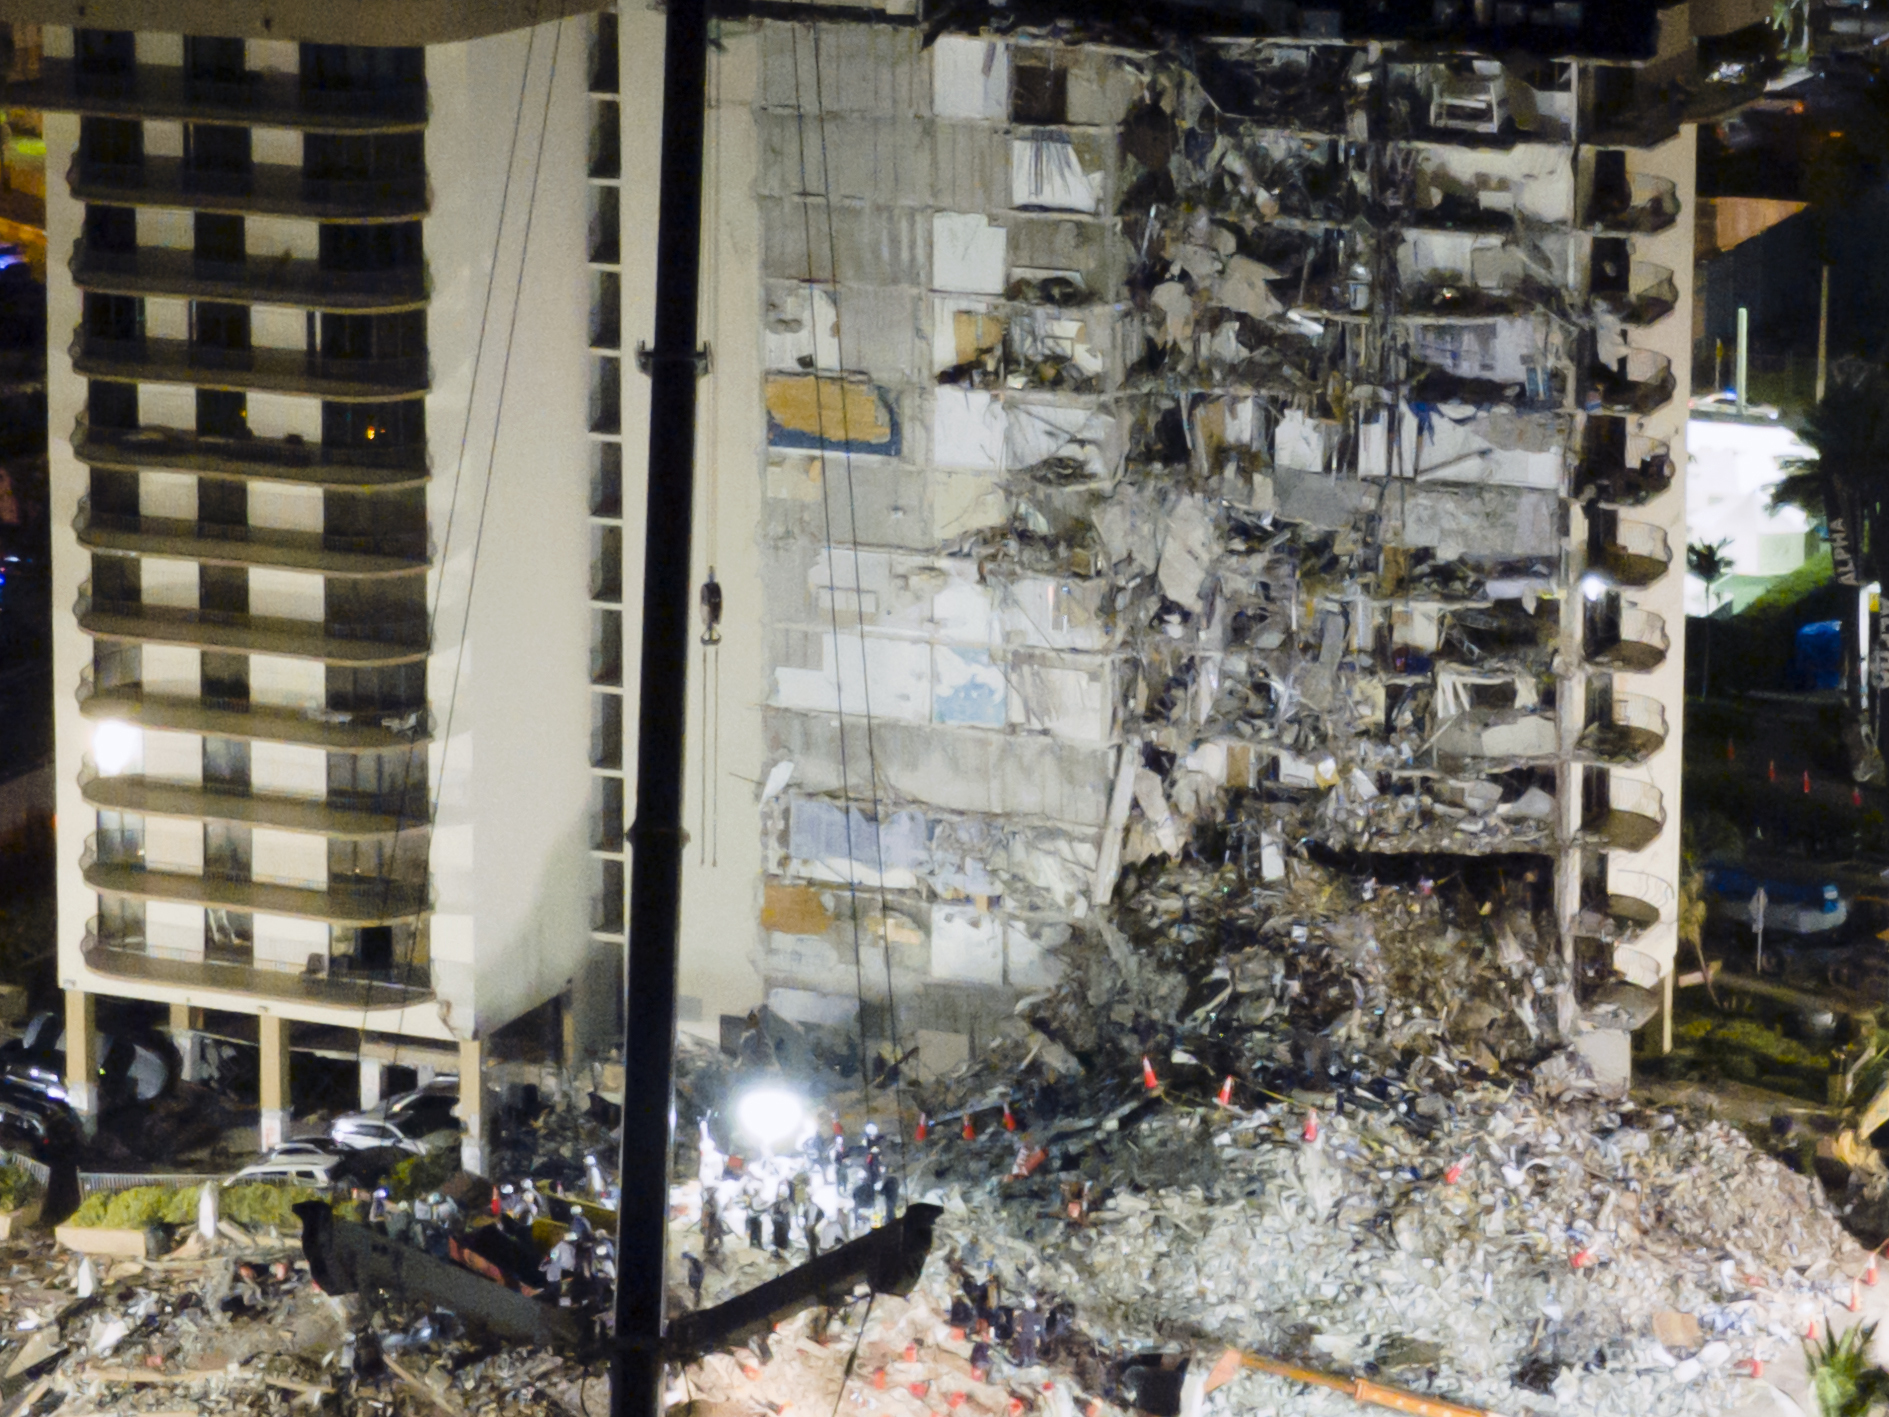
(846, 1373)
(859, 600)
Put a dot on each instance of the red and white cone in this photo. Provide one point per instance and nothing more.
(1225, 1096)
(1310, 1133)
(1148, 1079)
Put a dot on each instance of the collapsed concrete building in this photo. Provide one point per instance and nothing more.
(1240, 446)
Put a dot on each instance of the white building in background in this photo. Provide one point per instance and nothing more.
(1734, 469)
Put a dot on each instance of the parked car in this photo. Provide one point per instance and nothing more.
(1724, 404)
(311, 1163)
(32, 1122)
(138, 1067)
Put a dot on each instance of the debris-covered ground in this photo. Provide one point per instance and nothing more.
(1410, 1178)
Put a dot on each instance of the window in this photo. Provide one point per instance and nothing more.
(111, 229)
(375, 246)
(215, 325)
(363, 157)
(396, 336)
(113, 317)
(103, 60)
(374, 426)
(222, 413)
(1039, 88)
(223, 590)
(220, 239)
(110, 144)
(111, 405)
(358, 69)
(210, 63)
(226, 764)
(216, 150)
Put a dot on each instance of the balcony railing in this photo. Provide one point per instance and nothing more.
(390, 641)
(1637, 641)
(1636, 900)
(267, 189)
(336, 815)
(1637, 381)
(371, 902)
(1631, 729)
(390, 553)
(1630, 818)
(1651, 295)
(133, 958)
(270, 100)
(279, 280)
(292, 371)
(336, 730)
(289, 459)
(1648, 205)
(1641, 474)
(1634, 553)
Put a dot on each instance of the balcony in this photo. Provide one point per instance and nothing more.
(1638, 381)
(296, 281)
(390, 554)
(268, 189)
(374, 902)
(383, 642)
(264, 100)
(1628, 729)
(290, 460)
(334, 730)
(284, 371)
(1644, 206)
(1634, 553)
(1635, 472)
(147, 797)
(1649, 297)
(134, 959)
(1633, 639)
(1623, 815)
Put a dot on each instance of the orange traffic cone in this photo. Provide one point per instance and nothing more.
(970, 1132)
(1148, 1079)
(1225, 1096)
(1311, 1126)
(923, 1129)
(1010, 1120)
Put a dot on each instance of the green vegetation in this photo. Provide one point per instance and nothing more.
(252, 1207)
(1846, 1383)
(418, 1175)
(17, 1187)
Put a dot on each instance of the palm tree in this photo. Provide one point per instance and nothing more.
(1708, 561)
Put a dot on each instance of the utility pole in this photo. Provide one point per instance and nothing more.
(1823, 333)
(1744, 349)
(655, 836)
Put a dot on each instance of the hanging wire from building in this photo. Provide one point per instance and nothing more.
(459, 466)
(708, 475)
(711, 600)
(895, 1064)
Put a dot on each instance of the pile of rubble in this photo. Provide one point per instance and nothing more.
(237, 1326)
(1336, 1123)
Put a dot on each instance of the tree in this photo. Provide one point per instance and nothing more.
(1708, 561)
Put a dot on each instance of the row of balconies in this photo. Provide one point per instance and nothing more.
(264, 280)
(335, 731)
(121, 869)
(264, 189)
(291, 459)
(157, 360)
(382, 641)
(254, 99)
(132, 957)
(386, 554)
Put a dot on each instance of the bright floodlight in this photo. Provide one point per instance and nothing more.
(114, 746)
(1594, 585)
(769, 1115)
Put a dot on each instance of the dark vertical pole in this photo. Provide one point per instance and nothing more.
(636, 1376)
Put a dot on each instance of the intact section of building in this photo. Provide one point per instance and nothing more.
(1279, 441)
(318, 306)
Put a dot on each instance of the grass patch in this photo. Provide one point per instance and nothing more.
(253, 1207)
(17, 1187)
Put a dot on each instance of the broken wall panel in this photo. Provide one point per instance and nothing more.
(1237, 407)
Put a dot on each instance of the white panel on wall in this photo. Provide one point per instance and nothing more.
(273, 56)
(166, 319)
(174, 671)
(55, 41)
(289, 858)
(291, 595)
(288, 770)
(280, 416)
(172, 928)
(287, 683)
(169, 582)
(173, 757)
(173, 844)
(168, 494)
(272, 235)
(162, 139)
(285, 508)
(285, 943)
(276, 145)
(167, 406)
(160, 226)
(159, 48)
(278, 327)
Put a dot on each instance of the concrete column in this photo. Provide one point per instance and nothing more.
(82, 1055)
(186, 1024)
(275, 1080)
(472, 1105)
(373, 1082)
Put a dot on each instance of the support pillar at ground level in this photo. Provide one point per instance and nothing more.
(82, 1054)
(373, 1082)
(274, 1037)
(472, 1105)
(186, 1036)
